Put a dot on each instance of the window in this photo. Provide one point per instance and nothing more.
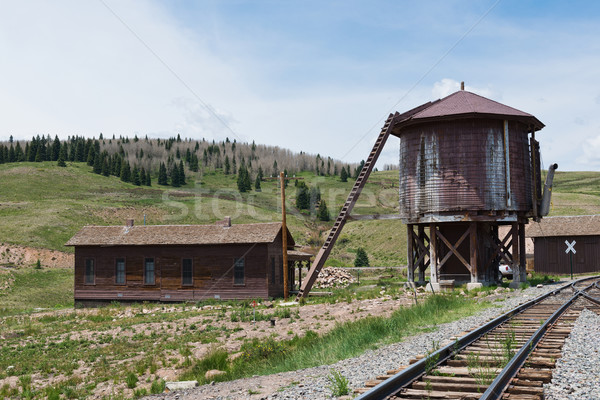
(90, 273)
(238, 271)
(273, 270)
(120, 271)
(187, 272)
(149, 271)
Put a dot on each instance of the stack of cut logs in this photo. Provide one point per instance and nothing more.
(333, 277)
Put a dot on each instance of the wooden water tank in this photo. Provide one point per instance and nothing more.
(467, 158)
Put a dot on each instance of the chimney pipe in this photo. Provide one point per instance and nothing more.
(129, 222)
(462, 85)
(545, 206)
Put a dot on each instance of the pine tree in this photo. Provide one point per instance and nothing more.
(11, 154)
(181, 173)
(125, 172)
(302, 196)
(162, 174)
(358, 169)
(257, 184)
(61, 159)
(243, 181)
(91, 156)
(55, 148)
(148, 179)
(323, 211)
(105, 167)
(344, 175)
(98, 164)
(116, 171)
(19, 155)
(175, 182)
(40, 153)
(143, 176)
(361, 260)
(194, 162)
(135, 176)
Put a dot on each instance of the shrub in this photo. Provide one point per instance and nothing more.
(158, 386)
(131, 380)
(338, 383)
(257, 349)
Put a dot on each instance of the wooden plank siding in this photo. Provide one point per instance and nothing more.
(550, 256)
(212, 266)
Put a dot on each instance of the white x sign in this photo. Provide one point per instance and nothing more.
(570, 247)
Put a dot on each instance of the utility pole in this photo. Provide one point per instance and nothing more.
(286, 289)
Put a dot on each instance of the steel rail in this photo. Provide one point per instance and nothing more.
(497, 388)
(395, 384)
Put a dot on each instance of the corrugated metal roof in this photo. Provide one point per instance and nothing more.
(463, 104)
(176, 235)
(581, 225)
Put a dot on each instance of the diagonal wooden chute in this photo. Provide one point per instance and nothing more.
(340, 221)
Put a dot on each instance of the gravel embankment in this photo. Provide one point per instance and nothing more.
(312, 383)
(577, 373)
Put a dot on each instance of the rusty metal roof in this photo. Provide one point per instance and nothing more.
(145, 235)
(463, 104)
(581, 225)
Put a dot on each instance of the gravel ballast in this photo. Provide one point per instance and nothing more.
(577, 373)
(312, 383)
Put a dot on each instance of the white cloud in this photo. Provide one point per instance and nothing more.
(70, 67)
(447, 86)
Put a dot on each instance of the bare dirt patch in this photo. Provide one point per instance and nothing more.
(20, 256)
(217, 322)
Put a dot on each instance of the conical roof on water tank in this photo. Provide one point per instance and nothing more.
(466, 157)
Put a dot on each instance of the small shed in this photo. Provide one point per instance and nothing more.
(549, 237)
(179, 262)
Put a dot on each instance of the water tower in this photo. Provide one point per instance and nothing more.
(468, 165)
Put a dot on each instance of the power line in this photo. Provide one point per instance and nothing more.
(391, 109)
(164, 63)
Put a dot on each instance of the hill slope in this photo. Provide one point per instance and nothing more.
(42, 205)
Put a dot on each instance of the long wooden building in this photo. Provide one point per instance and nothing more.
(180, 262)
(549, 236)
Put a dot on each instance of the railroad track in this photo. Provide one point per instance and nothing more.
(511, 357)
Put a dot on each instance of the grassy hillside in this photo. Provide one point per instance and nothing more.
(576, 193)
(42, 205)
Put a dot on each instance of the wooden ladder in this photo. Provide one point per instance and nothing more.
(335, 231)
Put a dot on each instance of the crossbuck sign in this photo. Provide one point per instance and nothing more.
(570, 247)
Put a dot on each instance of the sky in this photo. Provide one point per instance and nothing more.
(317, 76)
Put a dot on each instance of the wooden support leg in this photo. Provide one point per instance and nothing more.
(522, 252)
(422, 266)
(516, 268)
(300, 274)
(433, 262)
(410, 275)
(473, 252)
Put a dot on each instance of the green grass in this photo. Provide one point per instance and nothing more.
(37, 288)
(346, 340)
(42, 205)
(576, 193)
